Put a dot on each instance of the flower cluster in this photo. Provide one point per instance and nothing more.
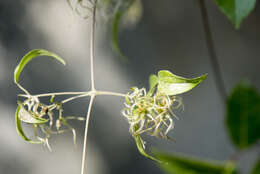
(43, 119)
(150, 113)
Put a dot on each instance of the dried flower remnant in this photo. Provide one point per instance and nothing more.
(41, 117)
(151, 114)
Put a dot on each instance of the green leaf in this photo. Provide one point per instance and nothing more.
(31, 55)
(236, 10)
(243, 115)
(256, 169)
(171, 84)
(141, 147)
(19, 128)
(175, 164)
(29, 117)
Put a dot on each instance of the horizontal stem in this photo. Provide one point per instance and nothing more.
(89, 93)
(109, 93)
(55, 93)
(78, 94)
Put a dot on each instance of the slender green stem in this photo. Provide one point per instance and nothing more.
(212, 52)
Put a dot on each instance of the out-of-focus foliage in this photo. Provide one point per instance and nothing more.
(236, 10)
(126, 12)
(186, 165)
(243, 115)
(256, 169)
(118, 12)
(131, 10)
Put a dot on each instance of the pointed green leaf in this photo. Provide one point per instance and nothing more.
(31, 55)
(28, 117)
(175, 164)
(171, 84)
(19, 128)
(256, 169)
(141, 147)
(236, 10)
(243, 116)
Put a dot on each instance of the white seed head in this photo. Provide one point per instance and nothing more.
(150, 113)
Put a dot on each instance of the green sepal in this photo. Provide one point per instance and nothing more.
(19, 128)
(153, 81)
(256, 169)
(127, 100)
(141, 147)
(29, 117)
(52, 98)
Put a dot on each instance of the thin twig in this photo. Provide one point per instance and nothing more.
(92, 45)
(92, 42)
(23, 89)
(212, 52)
(76, 97)
(84, 153)
(54, 94)
(110, 93)
(78, 94)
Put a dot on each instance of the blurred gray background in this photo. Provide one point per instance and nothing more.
(168, 36)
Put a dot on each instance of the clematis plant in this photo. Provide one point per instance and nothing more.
(150, 112)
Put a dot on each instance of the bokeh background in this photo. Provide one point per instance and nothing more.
(168, 36)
